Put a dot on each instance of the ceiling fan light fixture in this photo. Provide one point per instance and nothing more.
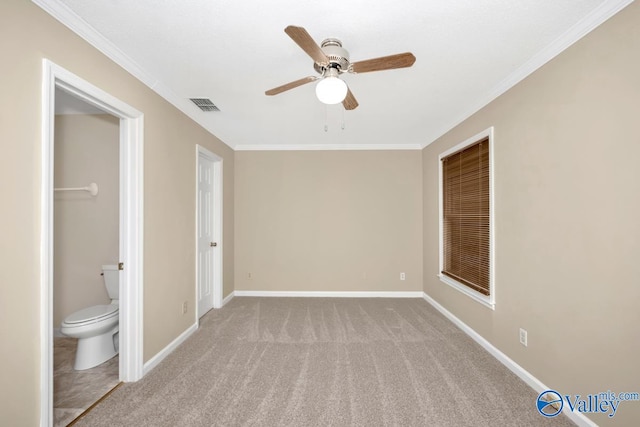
(330, 60)
(331, 89)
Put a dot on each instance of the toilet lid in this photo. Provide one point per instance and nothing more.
(92, 313)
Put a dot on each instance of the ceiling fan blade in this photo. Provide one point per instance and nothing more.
(290, 85)
(304, 40)
(401, 60)
(350, 102)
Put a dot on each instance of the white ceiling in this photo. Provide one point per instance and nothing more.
(468, 52)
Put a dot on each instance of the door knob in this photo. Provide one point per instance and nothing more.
(213, 244)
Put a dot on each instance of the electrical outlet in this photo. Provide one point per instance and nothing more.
(523, 337)
(402, 276)
(184, 307)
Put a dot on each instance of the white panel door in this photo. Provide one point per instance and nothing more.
(205, 235)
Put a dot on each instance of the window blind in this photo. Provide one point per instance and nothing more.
(466, 216)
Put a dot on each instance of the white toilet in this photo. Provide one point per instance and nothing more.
(96, 327)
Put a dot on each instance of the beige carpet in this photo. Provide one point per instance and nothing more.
(325, 362)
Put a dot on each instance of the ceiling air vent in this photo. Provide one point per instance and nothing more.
(205, 104)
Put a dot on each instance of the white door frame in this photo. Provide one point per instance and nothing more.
(217, 225)
(131, 227)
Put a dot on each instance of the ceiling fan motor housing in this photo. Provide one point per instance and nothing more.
(338, 56)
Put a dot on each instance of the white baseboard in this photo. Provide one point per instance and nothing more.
(332, 294)
(227, 299)
(159, 357)
(577, 417)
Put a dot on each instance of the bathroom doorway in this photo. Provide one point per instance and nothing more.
(126, 124)
(85, 237)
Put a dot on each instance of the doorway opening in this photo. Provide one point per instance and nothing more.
(130, 224)
(85, 258)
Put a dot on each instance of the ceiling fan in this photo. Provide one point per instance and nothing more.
(331, 60)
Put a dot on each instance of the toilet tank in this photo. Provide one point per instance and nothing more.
(110, 274)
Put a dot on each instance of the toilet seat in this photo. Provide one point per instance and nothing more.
(92, 314)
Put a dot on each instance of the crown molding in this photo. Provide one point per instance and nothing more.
(583, 27)
(325, 147)
(75, 23)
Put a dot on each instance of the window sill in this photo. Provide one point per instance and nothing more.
(482, 299)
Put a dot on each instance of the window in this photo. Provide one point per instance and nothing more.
(466, 218)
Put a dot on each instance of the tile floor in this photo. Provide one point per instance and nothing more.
(75, 391)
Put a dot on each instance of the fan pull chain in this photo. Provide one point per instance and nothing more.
(326, 125)
(326, 119)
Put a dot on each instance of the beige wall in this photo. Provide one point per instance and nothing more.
(567, 205)
(27, 35)
(86, 228)
(328, 221)
(566, 184)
